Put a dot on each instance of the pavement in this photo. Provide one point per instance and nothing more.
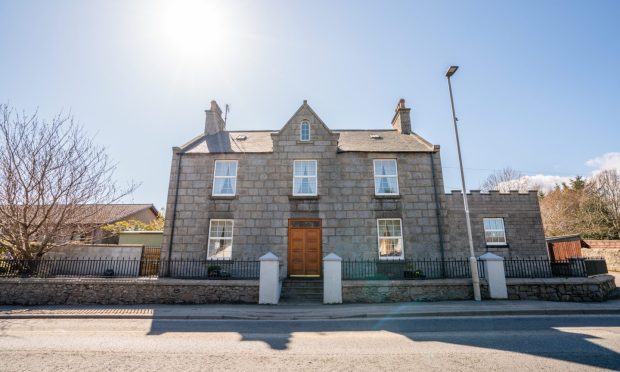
(313, 311)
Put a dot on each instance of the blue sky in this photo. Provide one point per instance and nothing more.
(537, 88)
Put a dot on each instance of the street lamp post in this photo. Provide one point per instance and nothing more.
(473, 263)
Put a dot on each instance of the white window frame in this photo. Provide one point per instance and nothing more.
(402, 241)
(232, 231)
(316, 179)
(215, 178)
(301, 131)
(503, 230)
(374, 166)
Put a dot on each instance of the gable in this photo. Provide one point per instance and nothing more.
(318, 129)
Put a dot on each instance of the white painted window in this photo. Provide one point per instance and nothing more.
(386, 177)
(304, 177)
(225, 178)
(220, 239)
(390, 238)
(494, 232)
(304, 131)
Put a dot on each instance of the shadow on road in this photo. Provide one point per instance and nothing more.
(500, 333)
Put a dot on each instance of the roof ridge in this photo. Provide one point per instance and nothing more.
(364, 130)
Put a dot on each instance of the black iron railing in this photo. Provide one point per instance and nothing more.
(407, 269)
(129, 268)
(545, 268)
(211, 269)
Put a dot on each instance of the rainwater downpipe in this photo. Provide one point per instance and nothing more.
(438, 214)
(174, 212)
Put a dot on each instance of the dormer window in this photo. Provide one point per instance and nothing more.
(304, 131)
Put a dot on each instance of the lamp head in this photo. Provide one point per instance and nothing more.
(451, 71)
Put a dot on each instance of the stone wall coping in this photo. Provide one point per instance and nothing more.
(132, 281)
(493, 192)
(409, 283)
(590, 280)
(490, 257)
(332, 257)
(269, 256)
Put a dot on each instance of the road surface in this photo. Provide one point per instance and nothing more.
(462, 343)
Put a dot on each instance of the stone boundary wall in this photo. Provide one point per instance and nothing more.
(595, 288)
(592, 289)
(610, 253)
(603, 243)
(125, 291)
(373, 291)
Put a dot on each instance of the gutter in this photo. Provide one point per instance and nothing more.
(437, 212)
(174, 207)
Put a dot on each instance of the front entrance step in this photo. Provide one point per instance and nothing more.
(302, 290)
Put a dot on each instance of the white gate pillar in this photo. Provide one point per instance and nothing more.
(495, 274)
(332, 279)
(269, 287)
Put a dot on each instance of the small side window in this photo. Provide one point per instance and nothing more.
(304, 131)
(494, 231)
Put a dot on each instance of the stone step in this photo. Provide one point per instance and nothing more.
(302, 283)
(302, 290)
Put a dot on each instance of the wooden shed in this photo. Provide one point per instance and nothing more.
(564, 247)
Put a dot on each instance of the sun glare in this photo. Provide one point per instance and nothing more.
(194, 27)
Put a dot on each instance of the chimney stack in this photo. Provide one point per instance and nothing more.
(402, 119)
(213, 121)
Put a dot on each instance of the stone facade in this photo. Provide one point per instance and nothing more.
(525, 236)
(346, 202)
(30, 292)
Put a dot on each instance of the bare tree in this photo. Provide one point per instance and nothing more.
(507, 179)
(52, 178)
(588, 207)
(605, 206)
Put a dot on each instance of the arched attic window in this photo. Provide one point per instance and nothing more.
(304, 131)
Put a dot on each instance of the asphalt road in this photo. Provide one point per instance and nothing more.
(466, 343)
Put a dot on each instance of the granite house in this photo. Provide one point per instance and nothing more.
(306, 190)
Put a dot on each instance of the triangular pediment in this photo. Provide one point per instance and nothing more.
(305, 113)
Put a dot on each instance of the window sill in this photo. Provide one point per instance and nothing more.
(497, 246)
(386, 196)
(390, 259)
(303, 197)
(300, 142)
(223, 197)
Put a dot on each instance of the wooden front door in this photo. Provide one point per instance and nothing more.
(304, 247)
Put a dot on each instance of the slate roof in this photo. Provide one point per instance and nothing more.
(389, 141)
(350, 141)
(116, 212)
(95, 214)
(100, 214)
(228, 142)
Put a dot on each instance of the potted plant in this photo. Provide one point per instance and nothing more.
(411, 272)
